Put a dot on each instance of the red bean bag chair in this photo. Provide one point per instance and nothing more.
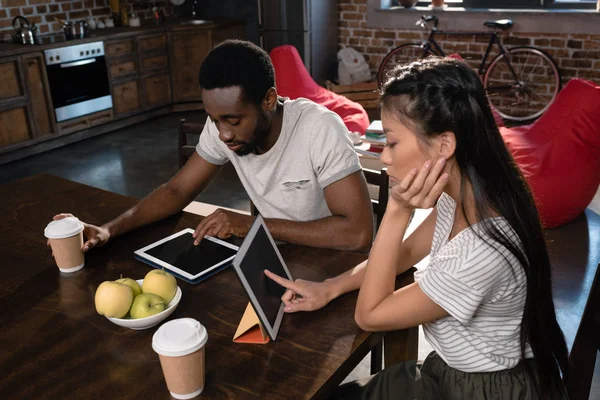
(559, 154)
(293, 81)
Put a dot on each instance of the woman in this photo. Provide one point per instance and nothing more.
(485, 298)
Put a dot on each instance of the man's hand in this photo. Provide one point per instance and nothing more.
(96, 236)
(223, 224)
(303, 295)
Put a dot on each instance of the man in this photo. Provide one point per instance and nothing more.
(294, 159)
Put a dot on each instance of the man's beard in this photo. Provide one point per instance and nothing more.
(259, 137)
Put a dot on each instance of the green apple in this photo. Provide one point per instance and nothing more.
(145, 305)
(132, 284)
(161, 283)
(113, 299)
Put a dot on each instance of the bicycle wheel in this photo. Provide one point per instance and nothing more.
(402, 54)
(529, 95)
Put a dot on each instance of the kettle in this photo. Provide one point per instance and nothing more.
(24, 32)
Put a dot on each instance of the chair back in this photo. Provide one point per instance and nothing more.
(185, 149)
(586, 346)
(380, 179)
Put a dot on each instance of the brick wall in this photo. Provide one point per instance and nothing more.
(577, 55)
(43, 12)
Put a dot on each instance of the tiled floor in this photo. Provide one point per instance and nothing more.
(135, 160)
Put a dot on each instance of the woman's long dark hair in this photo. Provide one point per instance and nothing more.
(439, 95)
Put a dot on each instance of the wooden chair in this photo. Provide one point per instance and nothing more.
(380, 179)
(585, 346)
(185, 149)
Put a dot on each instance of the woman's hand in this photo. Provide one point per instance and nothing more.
(420, 189)
(303, 295)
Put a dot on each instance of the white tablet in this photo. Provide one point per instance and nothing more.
(257, 253)
(178, 255)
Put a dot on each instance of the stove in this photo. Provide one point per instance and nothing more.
(78, 80)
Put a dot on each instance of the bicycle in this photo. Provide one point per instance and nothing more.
(521, 82)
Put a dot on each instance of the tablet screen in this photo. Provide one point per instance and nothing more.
(257, 253)
(260, 256)
(181, 253)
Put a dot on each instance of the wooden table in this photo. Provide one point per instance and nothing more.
(54, 345)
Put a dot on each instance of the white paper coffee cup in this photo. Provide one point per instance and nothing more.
(66, 239)
(180, 347)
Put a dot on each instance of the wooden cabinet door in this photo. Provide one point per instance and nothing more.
(157, 90)
(152, 63)
(126, 97)
(14, 126)
(152, 42)
(11, 81)
(39, 94)
(122, 68)
(115, 48)
(188, 49)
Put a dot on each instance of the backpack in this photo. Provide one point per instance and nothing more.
(352, 67)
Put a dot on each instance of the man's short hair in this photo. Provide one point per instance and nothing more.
(238, 63)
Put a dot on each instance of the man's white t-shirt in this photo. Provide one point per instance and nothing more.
(287, 182)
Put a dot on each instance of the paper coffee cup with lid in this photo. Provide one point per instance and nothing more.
(180, 347)
(66, 239)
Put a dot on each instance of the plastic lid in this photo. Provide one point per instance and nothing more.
(179, 337)
(63, 228)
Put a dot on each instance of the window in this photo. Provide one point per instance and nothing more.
(531, 4)
(513, 4)
(586, 4)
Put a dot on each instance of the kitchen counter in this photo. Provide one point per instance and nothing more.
(8, 49)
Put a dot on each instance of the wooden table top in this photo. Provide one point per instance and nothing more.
(55, 345)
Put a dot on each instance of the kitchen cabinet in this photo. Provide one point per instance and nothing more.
(115, 48)
(154, 62)
(188, 50)
(152, 71)
(11, 83)
(152, 42)
(122, 68)
(126, 97)
(123, 71)
(157, 90)
(39, 95)
(24, 104)
(14, 126)
(14, 122)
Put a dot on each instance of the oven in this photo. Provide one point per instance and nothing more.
(78, 80)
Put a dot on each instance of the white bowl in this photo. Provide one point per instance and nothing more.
(149, 322)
